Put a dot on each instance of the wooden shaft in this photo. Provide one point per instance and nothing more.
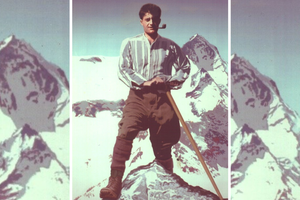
(193, 143)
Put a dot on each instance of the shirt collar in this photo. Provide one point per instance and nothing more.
(146, 39)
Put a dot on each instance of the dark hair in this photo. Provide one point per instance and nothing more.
(150, 8)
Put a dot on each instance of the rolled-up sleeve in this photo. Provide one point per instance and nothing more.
(126, 72)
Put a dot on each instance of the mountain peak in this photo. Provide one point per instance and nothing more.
(194, 36)
(29, 82)
(197, 38)
(233, 56)
(6, 41)
(200, 51)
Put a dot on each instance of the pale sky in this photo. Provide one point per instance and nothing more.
(266, 33)
(100, 26)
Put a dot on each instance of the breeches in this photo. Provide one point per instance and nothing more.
(150, 110)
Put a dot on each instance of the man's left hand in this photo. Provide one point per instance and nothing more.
(156, 81)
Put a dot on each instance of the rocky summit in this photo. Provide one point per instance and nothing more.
(152, 182)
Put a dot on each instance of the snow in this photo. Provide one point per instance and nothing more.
(38, 188)
(5, 42)
(10, 152)
(7, 127)
(153, 182)
(97, 80)
(92, 144)
(275, 136)
(59, 143)
(193, 37)
(259, 184)
(296, 124)
(200, 178)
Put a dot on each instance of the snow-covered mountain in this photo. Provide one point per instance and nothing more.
(34, 112)
(98, 99)
(265, 132)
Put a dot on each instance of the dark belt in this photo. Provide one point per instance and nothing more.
(153, 89)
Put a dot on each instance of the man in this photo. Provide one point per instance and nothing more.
(145, 65)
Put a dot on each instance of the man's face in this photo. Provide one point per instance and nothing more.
(150, 23)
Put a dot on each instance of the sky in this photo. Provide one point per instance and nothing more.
(44, 24)
(266, 33)
(100, 26)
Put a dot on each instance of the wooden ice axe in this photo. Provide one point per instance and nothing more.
(193, 143)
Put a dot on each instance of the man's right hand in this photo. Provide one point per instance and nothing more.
(154, 81)
(147, 83)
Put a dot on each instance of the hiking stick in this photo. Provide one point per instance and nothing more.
(193, 143)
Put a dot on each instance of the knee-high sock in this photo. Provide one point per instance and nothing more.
(121, 154)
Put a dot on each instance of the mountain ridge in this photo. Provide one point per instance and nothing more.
(34, 99)
(263, 126)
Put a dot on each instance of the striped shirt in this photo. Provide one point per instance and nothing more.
(141, 61)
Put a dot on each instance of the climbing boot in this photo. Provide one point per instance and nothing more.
(114, 186)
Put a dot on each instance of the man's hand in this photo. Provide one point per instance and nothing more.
(147, 83)
(155, 81)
